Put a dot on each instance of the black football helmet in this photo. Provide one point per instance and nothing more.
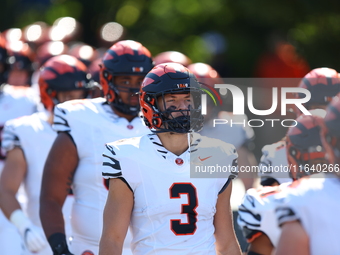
(62, 73)
(123, 58)
(170, 78)
(303, 144)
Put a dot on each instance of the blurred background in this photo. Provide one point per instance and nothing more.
(232, 36)
(240, 39)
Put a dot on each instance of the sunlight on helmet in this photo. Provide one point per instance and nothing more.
(57, 33)
(111, 31)
(86, 52)
(13, 34)
(56, 48)
(68, 59)
(67, 24)
(177, 57)
(17, 46)
(203, 70)
(33, 33)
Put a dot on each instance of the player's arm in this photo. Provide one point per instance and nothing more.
(57, 178)
(12, 176)
(261, 245)
(226, 241)
(117, 214)
(294, 240)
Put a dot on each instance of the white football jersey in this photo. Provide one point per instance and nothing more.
(91, 123)
(172, 213)
(256, 214)
(315, 203)
(236, 134)
(15, 101)
(274, 163)
(35, 136)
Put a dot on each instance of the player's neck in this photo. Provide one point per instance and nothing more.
(174, 142)
(123, 115)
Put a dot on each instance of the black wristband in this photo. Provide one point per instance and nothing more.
(58, 244)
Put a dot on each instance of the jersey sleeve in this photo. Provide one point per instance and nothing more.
(60, 121)
(10, 139)
(287, 209)
(111, 167)
(256, 215)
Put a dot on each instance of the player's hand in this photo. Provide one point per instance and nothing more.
(34, 238)
(32, 235)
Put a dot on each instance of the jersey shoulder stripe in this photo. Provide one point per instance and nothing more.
(72, 110)
(116, 151)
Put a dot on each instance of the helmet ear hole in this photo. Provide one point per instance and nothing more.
(156, 122)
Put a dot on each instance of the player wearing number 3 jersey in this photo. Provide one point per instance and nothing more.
(150, 185)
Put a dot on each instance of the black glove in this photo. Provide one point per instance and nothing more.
(58, 244)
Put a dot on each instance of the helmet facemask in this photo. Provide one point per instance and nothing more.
(169, 120)
(118, 103)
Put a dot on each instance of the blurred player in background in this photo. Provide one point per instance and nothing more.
(323, 83)
(150, 176)
(20, 60)
(15, 101)
(257, 211)
(27, 141)
(84, 126)
(308, 215)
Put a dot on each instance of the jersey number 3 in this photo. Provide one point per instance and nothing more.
(189, 228)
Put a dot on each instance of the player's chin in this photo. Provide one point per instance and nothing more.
(134, 102)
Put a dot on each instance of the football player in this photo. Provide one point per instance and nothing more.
(15, 101)
(323, 84)
(27, 141)
(20, 59)
(150, 184)
(309, 215)
(83, 127)
(257, 211)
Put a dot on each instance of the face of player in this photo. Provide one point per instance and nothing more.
(18, 77)
(63, 96)
(126, 82)
(176, 102)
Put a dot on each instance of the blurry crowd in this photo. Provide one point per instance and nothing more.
(43, 67)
